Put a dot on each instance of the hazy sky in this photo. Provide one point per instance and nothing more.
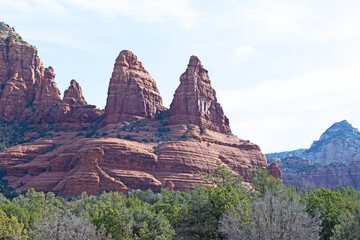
(284, 70)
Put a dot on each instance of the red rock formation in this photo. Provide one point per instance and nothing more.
(321, 176)
(132, 93)
(46, 92)
(195, 100)
(88, 176)
(173, 164)
(275, 171)
(89, 155)
(73, 95)
(24, 81)
(20, 70)
(331, 161)
(299, 172)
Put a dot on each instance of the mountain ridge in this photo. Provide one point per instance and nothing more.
(332, 160)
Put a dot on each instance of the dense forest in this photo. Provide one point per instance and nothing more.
(221, 208)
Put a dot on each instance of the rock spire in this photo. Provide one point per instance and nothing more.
(195, 100)
(132, 93)
(73, 95)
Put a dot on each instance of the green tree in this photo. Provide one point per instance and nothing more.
(117, 224)
(10, 228)
(262, 181)
(348, 228)
(329, 205)
(199, 218)
(151, 225)
(222, 177)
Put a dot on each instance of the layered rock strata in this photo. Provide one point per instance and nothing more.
(69, 146)
(68, 164)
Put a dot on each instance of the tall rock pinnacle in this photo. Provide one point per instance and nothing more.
(132, 93)
(46, 91)
(195, 100)
(73, 95)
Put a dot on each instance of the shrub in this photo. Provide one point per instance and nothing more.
(128, 137)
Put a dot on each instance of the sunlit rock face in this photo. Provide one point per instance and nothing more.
(67, 146)
(195, 100)
(24, 81)
(132, 93)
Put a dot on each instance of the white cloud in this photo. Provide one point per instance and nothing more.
(333, 85)
(138, 10)
(284, 20)
(34, 9)
(244, 52)
(56, 37)
(141, 10)
(271, 111)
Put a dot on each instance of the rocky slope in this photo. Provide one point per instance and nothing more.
(68, 146)
(332, 160)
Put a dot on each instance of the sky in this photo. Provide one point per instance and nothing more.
(284, 70)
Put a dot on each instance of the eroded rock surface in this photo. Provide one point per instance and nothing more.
(132, 93)
(68, 146)
(195, 100)
(23, 79)
(69, 163)
(73, 95)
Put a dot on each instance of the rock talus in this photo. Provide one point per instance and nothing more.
(195, 100)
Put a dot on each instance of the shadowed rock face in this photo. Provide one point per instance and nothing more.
(70, 146)
(132, 93)
(195, 100)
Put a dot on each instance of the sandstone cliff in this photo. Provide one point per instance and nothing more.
(67, 146)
